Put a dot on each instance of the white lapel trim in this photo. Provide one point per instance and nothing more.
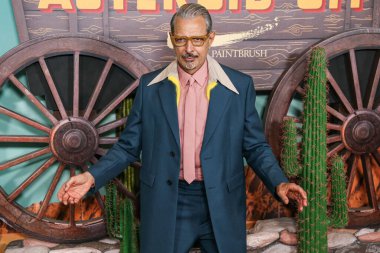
(215, 71)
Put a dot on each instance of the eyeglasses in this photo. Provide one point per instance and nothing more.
(197, 41)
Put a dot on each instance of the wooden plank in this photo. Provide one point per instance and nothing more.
(132, 4)
(361, 18)
(295, 25)
(73, 22)
(19, 14)
(376, 14)
(44, 24)
(90, 23)
(347, 19)
(291, 23)
(29, 5)
(278, 54)
(106, 29)
(264, 80)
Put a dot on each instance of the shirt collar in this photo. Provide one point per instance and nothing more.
(199, 76)
(215, 73)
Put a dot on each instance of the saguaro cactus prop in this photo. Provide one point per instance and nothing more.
(312, 223)
(313, 220)
(120, 220)
(119, 210)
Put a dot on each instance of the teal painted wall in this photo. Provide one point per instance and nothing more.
(8, 37)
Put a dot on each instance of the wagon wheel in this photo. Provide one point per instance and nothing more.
(72, 128)
(354, 114)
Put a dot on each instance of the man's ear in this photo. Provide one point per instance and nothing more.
(211, 38)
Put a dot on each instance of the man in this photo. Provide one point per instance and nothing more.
(192, 122)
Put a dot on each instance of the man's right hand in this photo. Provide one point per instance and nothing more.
(74, 189)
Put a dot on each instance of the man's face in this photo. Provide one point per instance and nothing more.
(190, 57)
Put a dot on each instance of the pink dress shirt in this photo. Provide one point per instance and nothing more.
(201, 78)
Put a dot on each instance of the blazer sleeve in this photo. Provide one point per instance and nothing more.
(256, 150)
(128, 148)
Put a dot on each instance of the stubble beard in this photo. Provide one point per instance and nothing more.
(189, 65)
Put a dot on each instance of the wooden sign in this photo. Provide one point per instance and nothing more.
(269, 35)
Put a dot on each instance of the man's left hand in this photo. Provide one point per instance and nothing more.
(294, 192)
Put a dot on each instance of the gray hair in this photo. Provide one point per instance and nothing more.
(192, 10)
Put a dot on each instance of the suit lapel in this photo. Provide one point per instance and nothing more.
(168, 101)
(219, 98)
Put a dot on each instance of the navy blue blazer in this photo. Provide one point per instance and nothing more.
(233, 131)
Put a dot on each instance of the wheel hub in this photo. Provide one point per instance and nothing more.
(361, 132)
(74, 141)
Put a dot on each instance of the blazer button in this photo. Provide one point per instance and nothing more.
(169, 182)
(172, 154)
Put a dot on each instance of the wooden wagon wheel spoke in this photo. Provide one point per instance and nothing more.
(334, 138)
(120, 187)
(100, 202)
(369, 184)
(24, 119)
(354, 68)
(374, 85)
(136, 165)
(98, 88)
(300, 90)
(30, 179)
(331, 126)
(335, 150)
(94, 160)
(346, 155)
(376, 155)
(76, 85)
(24, 139)
(24, 158)
(107, 140)
(335, 113)
(72, 206)
(110, 107)
(101, 151)
(339, 92)
(352, 174)
(33, 99)
(53, 185)
(112, 125)
(52, 87)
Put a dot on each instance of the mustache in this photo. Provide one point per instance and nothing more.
(189, 55)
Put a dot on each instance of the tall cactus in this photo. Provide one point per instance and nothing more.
(119, 210)
(120, 219)
(313, 222)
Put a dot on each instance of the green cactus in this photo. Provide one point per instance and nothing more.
(339, 213)
(289, 155)
(119, 210)
(120, 219)
(128, 232)
(112, 211)
(312, 222)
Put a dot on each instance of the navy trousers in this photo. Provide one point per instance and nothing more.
(193, 225)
